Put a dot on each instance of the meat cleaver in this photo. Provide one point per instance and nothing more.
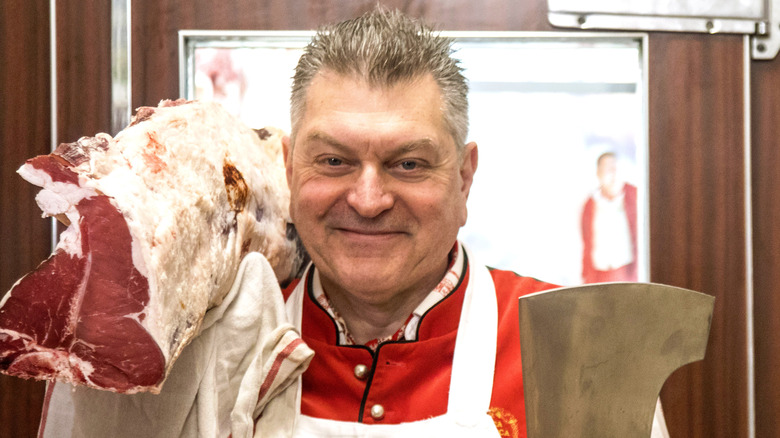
(596, 356)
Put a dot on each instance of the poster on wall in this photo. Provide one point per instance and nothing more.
(560, 120)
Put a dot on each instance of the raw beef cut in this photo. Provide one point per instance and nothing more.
(159, 218)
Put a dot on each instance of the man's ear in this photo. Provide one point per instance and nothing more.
(468, 166)
(287, 154)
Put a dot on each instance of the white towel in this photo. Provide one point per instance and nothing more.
(241, 365)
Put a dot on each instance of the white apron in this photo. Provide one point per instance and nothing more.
(471, 384)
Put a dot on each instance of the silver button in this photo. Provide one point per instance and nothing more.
(377, 412)
(361, 371)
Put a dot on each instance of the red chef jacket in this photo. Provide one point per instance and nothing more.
(410, 380)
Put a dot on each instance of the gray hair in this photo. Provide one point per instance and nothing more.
(385, 48)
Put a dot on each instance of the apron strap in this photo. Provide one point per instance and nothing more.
(474, 361)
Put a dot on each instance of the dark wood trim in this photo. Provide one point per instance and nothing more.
(697, 220)
(24, 132)
(765, 104)
(83, 68)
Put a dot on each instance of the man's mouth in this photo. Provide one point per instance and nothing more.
(368, 231)
(368, 234)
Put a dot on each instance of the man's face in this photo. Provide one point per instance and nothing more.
(378, 190)
(607, 174)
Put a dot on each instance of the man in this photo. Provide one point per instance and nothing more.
(412, 337)
(609, 230)
(405, 327)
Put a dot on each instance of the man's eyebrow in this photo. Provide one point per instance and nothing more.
(422, 143)
(322, 137)
(409, 146)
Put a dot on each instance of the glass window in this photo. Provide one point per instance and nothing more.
(543, 109)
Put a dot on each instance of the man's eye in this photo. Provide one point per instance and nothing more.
(334, 161)
(408, 165)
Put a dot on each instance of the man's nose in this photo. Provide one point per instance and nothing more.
(369, 196)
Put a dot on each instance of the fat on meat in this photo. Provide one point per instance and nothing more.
(158, 219)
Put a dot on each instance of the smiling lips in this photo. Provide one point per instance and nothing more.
(357, 225)
(368, 232)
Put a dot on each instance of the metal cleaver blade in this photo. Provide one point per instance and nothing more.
(596, 356)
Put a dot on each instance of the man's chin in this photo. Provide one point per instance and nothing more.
(367, 277)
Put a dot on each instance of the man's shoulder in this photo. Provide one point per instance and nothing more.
(287, 289)
(511, 285)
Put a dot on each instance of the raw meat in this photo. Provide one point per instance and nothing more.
(159, 218)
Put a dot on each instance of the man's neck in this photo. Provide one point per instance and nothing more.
(367, 320)
(612, 191)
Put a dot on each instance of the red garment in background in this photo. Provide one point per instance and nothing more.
(624, 273)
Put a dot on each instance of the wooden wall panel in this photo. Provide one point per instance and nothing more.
(83, 68)
(24, 131)
(697, 218)
(83, 33)
(696, 163)
(765, 97)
